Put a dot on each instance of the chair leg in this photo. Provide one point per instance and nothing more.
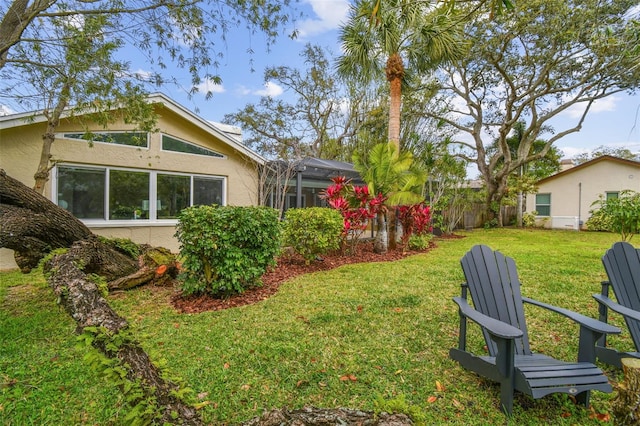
(506, 395)
(505, 364)
(583, 398)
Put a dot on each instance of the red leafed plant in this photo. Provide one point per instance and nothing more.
(357, 207)
(415, 220)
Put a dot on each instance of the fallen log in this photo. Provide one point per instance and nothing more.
(626, 405)
(32, 225)
(312, 416)
(83, 301)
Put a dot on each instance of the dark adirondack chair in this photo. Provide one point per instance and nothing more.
(622, 264)
(498, 308)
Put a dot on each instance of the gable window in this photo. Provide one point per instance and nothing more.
(543, 204)
(176, 145)
(135, 139)
(113, 194)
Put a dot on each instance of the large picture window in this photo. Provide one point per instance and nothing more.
(174, 194)
(127, 190)
(81, 191)
(113, 194)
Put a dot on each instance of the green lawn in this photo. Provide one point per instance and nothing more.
(344, 338)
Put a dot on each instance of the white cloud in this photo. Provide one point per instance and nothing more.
(329, 15)
(601, 105)
(209, 86)
(243, 90)
(270, 89)
(5, 110)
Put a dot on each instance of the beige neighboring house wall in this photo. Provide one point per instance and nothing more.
(235, 172)
(573, 191)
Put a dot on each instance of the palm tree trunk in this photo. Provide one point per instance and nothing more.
(395, 74)
(381, 244)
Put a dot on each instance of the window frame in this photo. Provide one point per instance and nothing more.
(63, 135)
(608, 195)
(540, 204)
(218, 156)
(153, 194)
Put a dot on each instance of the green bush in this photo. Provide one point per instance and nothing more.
(312, 231)
(226, 250)
(420, 242)
(621, 213)
(529, 219)
(598, 221)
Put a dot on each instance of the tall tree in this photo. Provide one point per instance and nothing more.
(531, 66)
(522, 180)
(380, 37)
(319, 117)
(80, 76)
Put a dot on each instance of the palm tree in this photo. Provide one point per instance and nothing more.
(393, 174)
(381, 36)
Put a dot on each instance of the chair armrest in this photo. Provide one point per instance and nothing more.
(493, 326)
(616, 307)
(585, 321)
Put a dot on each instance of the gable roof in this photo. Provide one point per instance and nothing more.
(589, 163)
(225, 133)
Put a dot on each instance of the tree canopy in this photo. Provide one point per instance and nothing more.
(532, 65)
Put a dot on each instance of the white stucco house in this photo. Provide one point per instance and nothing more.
(129, 184)
(563, 201)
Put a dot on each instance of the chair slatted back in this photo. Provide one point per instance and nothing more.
(495, 291)
(622, 264)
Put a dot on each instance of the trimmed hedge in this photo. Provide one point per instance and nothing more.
(225, 250)
(312, 231)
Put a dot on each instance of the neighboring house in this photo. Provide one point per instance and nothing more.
(133, 185)
(563, 201)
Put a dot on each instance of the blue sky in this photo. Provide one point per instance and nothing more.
(614, 121)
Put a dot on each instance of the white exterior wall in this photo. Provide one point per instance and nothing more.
(574, 191)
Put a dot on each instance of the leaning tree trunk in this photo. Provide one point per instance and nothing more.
(32, 225)
(626, 406)
(311, 416)
(82, 299)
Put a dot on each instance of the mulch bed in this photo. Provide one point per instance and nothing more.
(289, 266)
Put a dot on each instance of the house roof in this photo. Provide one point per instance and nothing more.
(230, 135)
(589, 163)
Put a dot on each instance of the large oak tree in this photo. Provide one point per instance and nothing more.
(532, 65)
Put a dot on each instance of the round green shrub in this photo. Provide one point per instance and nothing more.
(226, 249)
(420, 242)
(312, 231)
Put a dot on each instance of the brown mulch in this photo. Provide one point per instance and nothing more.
(289, 266)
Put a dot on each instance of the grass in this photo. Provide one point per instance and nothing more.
(350, 337)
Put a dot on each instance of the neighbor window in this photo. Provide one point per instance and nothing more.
(612, 194)
(122, 194)
(136, 139)
(543, 204)
(172, 144)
